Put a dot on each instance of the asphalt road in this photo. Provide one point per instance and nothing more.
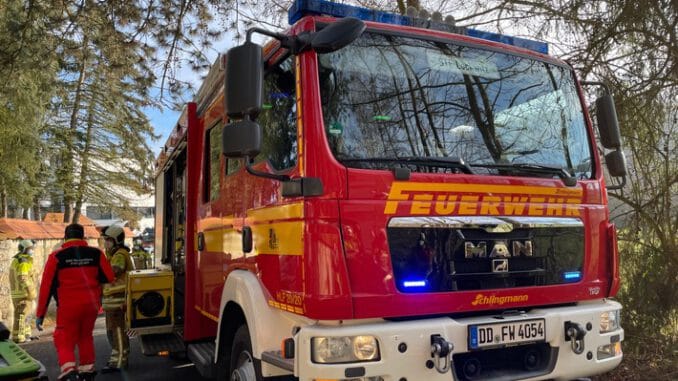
(141, 368)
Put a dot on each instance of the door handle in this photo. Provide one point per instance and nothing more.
(246, 239)
(201, 241)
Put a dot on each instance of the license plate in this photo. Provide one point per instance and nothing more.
(500, 334)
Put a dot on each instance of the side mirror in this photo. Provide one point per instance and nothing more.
(616, 163)
(608, 126)
(244, 81)
(337, 35)
(241, 139)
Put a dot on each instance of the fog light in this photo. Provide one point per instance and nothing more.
(609, 321)
(609, 350)
(344, 349)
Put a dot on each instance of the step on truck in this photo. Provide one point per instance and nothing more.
(377, 197)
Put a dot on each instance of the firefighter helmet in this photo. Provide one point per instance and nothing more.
(25, 244)
(116, 233)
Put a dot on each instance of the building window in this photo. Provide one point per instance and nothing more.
(98, 213)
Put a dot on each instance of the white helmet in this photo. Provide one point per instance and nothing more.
(117, 233)
(25, 244)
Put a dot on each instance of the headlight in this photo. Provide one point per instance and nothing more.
(344, 349)
(609, 321)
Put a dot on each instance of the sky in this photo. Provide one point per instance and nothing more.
(163, 121)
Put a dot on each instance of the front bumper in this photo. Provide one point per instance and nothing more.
(415, 362)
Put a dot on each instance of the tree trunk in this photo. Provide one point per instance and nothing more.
(68, 182)
(36, 209)
(84, 162)
(3, 203)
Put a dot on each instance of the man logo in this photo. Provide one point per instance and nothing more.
(500, 249)
(500, 265)
(475, 251)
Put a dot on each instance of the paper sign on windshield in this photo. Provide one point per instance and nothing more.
(468, 66)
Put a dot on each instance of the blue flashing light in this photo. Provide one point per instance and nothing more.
(572, 276)
(301, 8)
(537, 46)
(414, 283)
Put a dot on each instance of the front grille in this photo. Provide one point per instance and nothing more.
(444, 254)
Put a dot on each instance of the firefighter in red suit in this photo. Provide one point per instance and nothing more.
(73, 275)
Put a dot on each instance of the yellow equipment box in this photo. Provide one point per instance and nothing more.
(150, 301)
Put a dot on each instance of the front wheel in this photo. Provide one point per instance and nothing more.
(244, 367)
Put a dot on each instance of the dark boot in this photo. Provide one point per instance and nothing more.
(70, 376)
(109, 369)
(87, 376)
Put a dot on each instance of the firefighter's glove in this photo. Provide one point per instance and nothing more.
(112, 290)
(38, 323)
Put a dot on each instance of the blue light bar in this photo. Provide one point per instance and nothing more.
(537, 46)
(414, 283)
(572, 276)
(301, 8)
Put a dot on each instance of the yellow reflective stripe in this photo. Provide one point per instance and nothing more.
(300, 124)
(280, 238)
(24, 268)
(206, 314)
(272, 213)
(225, 240)
(121, 350)
(275, 230)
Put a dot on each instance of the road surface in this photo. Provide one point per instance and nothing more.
(141, 368)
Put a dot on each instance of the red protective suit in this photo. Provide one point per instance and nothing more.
(73, 275)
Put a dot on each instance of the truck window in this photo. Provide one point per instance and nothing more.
(392, 97)
(278, 118)
(212, 163)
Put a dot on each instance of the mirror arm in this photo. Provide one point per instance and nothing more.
(267, 175)
(296, 44)
(597, 83)
(618, 186)
(251, 31)
(303, 186)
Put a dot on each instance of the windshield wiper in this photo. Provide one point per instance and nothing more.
(564, 175)
(437, 161)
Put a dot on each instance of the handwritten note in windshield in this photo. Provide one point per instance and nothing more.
(468, 66)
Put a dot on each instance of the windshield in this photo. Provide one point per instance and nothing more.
(389, 97)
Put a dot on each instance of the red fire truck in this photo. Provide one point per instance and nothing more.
(372, 196)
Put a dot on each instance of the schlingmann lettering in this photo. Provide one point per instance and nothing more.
(485, 300)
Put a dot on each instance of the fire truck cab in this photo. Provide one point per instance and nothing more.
(380, 197)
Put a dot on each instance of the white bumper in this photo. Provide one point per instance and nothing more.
(411, 364)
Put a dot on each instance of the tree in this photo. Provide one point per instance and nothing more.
(27, 62)
(97, 121)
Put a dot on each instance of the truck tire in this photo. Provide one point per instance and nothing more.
(243, 365)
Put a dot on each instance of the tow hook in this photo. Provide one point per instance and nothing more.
(574, 333)
(441, 351)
